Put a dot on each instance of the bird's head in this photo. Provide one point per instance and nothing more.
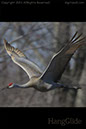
(11, 85)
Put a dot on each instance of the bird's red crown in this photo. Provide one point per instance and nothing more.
(10, 84)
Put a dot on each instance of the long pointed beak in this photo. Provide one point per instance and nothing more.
(3, 89)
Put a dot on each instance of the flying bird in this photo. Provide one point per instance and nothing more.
(50, 77)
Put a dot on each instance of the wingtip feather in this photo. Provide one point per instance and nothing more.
(11, 49)
(5, 42)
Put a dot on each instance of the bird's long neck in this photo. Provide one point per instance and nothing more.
(26, 85)
(31, 83)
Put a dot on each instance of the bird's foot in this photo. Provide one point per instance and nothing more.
(72, 87)
(76, 88)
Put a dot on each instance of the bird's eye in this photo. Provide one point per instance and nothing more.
(10, 84)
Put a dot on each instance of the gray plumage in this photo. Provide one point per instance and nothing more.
(49, 79)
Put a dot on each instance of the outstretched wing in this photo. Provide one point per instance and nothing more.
(20, 59)
(60, 60)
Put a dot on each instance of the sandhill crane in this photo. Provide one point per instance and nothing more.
(49, 79)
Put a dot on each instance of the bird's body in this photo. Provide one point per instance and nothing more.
(49, 79)
(39, 84)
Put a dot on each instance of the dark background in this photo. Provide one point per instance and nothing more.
(58, 11)
(55, 11)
